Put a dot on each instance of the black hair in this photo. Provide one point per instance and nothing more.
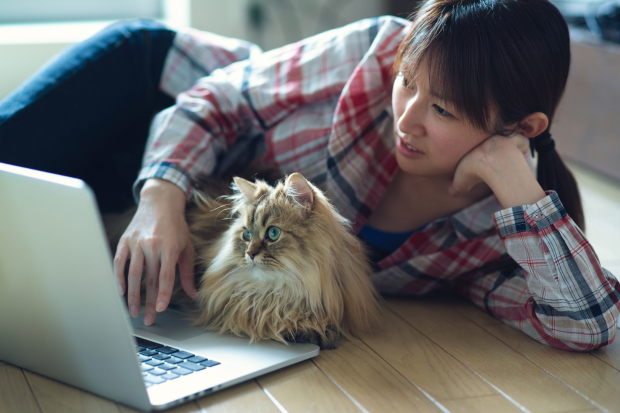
(497, 61)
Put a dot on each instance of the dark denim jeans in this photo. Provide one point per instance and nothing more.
(87, 113)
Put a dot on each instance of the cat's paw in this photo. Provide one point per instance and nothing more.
(329, 342)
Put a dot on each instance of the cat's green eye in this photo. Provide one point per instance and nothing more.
(273, 233)
(246, 234)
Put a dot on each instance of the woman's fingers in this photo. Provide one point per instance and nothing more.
(134, 280)
(186, 271)
(152, 285)
(120, 260)
(166, 280)
(521, 142)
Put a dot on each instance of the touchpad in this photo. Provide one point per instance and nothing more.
(172, 324)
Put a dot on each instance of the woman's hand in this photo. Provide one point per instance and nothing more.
(156, 240)
(499, 162)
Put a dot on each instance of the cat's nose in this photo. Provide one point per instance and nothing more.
(253, 253)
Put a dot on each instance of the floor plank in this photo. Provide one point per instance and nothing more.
(368, 379)
(601, 203)
(190, 407)
(586, 374)
(305, 388)
(424, 363)
(610, 354)
(15, 394)
(484, 404)
(55, 397)
(524, 382)
(243, 398)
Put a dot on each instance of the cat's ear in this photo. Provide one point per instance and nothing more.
(299, 189)
(247, 188)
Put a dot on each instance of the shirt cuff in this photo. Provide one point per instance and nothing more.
(166, 171)
(535, 217)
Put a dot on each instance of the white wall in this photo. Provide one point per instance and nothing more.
(587, 122)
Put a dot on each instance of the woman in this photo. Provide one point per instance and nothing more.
(418, 132)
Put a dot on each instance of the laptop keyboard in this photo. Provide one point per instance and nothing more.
(162, 363)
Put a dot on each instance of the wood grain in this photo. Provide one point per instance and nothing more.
(305, 388)
(369, 380)
(55, 397)
(586, 374)
(484, 404)
(243, 398)
(610, 354)
(423, 362)
(15, 394)
(498, 364)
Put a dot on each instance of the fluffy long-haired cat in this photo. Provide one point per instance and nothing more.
(280, 263)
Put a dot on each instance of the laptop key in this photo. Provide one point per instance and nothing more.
(167, 366)
(209, 363)
(143, 358)
(146, 367)
(148, 353)
(167, 350)
(192, 366)
(154, 379)
(148, 344)
(181, 371)
(154, 363)
(196, 359)
(182, 355)
(170, 376)
(161, 356)
(157, 371)
(174, 360)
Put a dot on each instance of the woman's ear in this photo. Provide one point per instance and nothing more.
(533, 124)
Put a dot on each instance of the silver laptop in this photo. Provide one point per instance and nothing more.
(61, 315)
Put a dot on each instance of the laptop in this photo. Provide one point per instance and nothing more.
(61, 314)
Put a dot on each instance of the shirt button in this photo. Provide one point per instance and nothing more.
(536, 216)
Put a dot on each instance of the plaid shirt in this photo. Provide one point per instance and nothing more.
(322, 107)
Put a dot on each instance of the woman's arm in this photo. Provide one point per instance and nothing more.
(224, 114)
(560, 295)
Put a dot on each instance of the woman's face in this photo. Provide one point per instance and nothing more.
(431, 136)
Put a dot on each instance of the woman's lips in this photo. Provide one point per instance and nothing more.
(405, 149)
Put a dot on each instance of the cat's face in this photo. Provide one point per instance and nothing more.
(273, 229)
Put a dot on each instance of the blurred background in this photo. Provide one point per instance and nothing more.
(587, 122)
(32, 31)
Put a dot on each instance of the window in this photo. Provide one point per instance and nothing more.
(42, 11)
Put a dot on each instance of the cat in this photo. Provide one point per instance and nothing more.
(280, 263)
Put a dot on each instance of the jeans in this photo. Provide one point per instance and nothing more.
(87, 113)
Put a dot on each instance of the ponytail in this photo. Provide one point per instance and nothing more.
(553, 174)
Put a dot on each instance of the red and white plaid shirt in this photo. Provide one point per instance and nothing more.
(322, 107)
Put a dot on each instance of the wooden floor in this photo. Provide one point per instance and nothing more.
(437, 354)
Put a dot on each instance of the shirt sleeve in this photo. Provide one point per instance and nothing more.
(221, 120)
(560, 295)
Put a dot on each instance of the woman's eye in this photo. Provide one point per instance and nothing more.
(441, 111)
(406, 83)
(273, 233)
(246, 234)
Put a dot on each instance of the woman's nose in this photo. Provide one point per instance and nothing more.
(411, 121)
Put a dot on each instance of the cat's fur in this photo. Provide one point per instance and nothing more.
(312, 284)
